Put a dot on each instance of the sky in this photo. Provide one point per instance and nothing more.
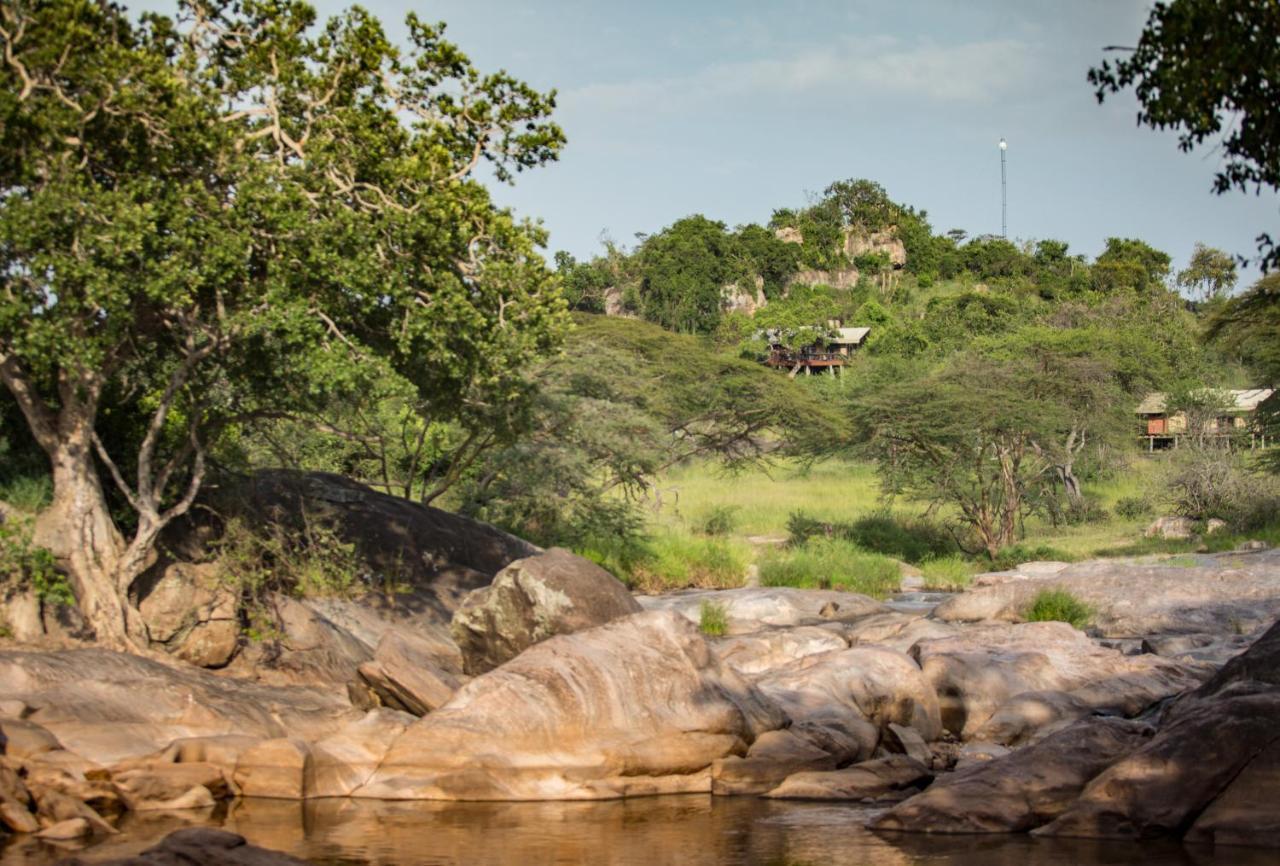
(733, 109)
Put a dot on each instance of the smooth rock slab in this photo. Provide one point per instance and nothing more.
(639, 706)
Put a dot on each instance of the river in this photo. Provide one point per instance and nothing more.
(689, 830)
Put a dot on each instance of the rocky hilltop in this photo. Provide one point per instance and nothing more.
(509, 673)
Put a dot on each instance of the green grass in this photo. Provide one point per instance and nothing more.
(28, 493)
(947, 573)
(671, 559)
(830, 563)
(712, 619)
(1058, 605)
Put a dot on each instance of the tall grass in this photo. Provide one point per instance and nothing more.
(671, 559)
(830, 563)
(1058, 605)
(28, 493)
(947, 573)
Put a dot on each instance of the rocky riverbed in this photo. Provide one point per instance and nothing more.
(550, 682)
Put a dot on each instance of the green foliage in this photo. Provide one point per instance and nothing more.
(26, 565)
(947, 574)
(27, 493)
(1058, 605)
(1133, 507)
(1128, 263)
(830, 563)
(712, 619)
(627, 400)
(720, 520)
(1250, 326)
(310, 562)
(674, 560)
(1207, 68)
(1210, 274)
(1010, 557)
(910, 539)
(684, 268)
(213, 218)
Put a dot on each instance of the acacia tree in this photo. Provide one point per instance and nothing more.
(969, 437)
(1211, 273)
(223, 215)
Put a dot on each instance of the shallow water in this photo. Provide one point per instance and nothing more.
(697, 830)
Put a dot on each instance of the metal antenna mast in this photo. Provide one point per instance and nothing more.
(1004, 198)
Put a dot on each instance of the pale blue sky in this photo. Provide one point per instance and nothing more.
(732, 109)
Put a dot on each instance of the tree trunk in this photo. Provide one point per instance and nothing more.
(78, 529)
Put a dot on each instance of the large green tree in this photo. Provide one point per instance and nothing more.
(225, 214)
(1208, 69)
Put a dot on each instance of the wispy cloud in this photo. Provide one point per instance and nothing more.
(877, 68)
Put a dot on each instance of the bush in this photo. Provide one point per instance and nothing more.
(1133, 508)
(947, 573)
(1012, 556)
(831, 563)
(712, 619)
(23, 564)
(1204, 484)
(912, 540)
(720, 520)
(29, 493)
(313, 563)
(1058, 605)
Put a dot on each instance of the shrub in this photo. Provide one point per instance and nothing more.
(720, 520)
(947, 573)
(831, 563)
(910, 539)
(712, 619)
(1011, 556)
(1058, 605)
(29, 493)
(1132, 508)
(313, 563)
(1205, 484)
(23, 564)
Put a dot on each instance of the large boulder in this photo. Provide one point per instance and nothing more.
(638, 706)
(1022, 790)
(980, 670)
(880, 686)
(192, 614)
(532, 599)
(1211, 765)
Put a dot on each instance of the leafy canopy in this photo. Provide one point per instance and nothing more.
(1208, 68)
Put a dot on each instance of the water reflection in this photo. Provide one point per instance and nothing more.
(690, 830)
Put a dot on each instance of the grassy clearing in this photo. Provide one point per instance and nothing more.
(830, 563)
(1058, 605)
(947, 573)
